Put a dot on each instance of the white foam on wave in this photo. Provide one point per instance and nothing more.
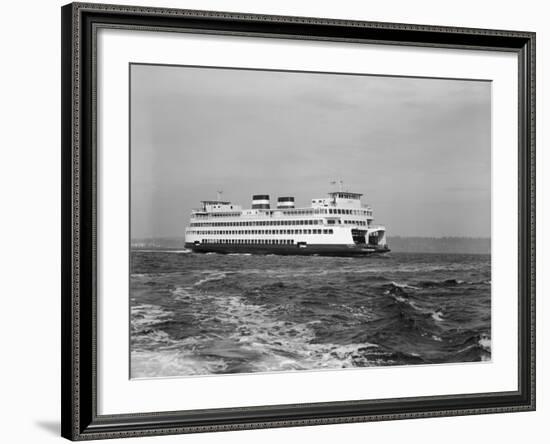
(148, 315)
(250, 334)
(438, 316)
(211, 277)
(410, 303)
(147, 364)
(485, 342)
(145, 319)
(403, 286)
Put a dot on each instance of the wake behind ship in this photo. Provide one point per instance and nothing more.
(337, 225)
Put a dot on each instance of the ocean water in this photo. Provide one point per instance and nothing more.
(202, 314)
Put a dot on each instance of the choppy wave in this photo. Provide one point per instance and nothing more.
(211, 277)
(200, 314)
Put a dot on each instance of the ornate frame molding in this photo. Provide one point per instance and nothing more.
(80, 22)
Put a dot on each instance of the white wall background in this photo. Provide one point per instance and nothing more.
(30, 222)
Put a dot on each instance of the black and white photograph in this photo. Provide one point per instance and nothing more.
(287, 221)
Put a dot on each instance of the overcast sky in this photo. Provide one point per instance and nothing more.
(419, 149)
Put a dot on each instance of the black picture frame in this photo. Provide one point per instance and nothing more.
(78, 333)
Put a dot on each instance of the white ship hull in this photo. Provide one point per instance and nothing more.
(339, 226)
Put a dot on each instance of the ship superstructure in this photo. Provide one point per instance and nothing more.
(338, 225)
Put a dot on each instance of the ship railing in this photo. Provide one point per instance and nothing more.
(377, 227)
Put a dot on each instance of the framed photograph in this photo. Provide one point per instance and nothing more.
(275, 221)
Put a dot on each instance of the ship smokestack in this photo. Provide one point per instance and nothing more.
(260, 202)
(285, 202)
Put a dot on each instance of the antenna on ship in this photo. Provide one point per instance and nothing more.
(340, 183)
(219, 195)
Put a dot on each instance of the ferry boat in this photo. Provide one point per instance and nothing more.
(336, 225)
